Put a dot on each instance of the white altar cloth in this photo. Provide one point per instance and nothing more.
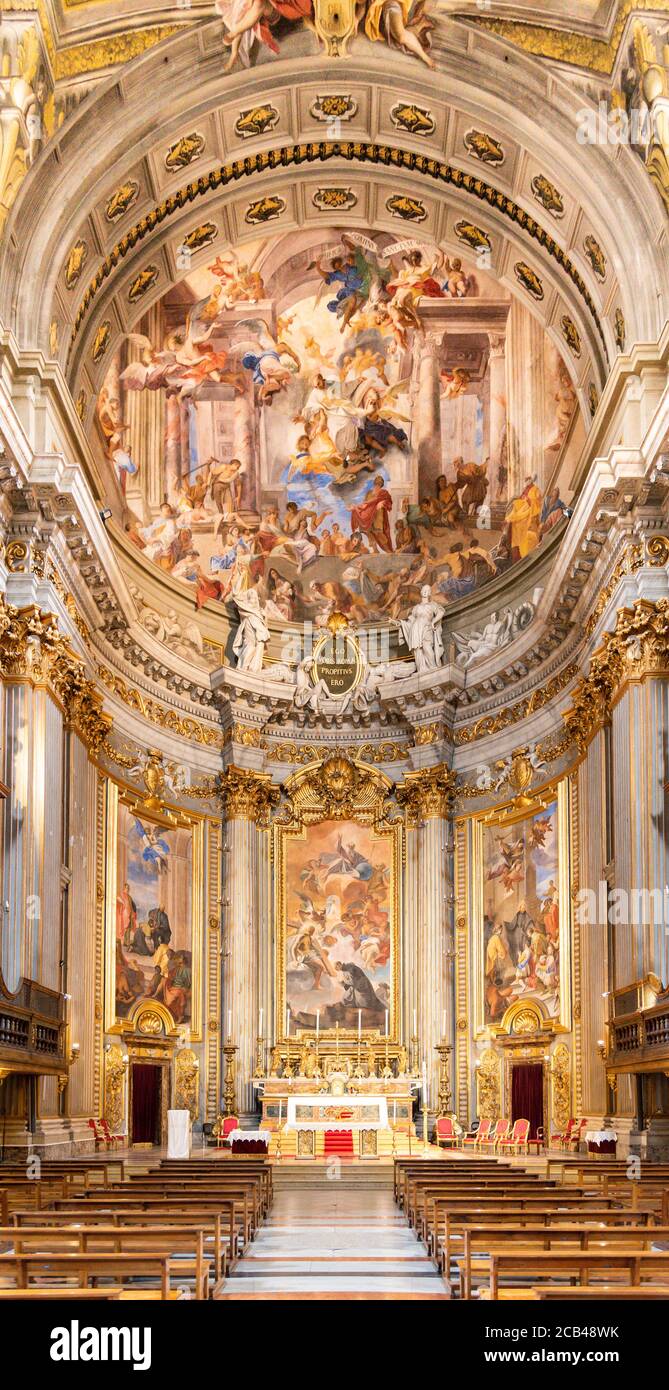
(264, 1135)
(178, 1134)
(337, 1112)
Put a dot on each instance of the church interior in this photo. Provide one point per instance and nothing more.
(334, 650)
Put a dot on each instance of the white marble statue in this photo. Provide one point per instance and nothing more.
(477, 645)
(422, 632)
(252, 634)
(309, 693)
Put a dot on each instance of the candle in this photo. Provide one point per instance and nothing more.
(394, 1112)
(414, 1023)
(287, 1022)
(229, 1023)
(443, 1024)
(260, 1024)
(386, 1023)
(360, 1022)
(318, 1023)
(280, 1110)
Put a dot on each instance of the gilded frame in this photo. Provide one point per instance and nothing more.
(512, 815)
(119, 796)
(371, 812)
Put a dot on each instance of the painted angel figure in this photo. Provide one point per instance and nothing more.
(354, 276)
(271, 363)
(249, 20)
(156, 848)
(401, 24)
(239, 283)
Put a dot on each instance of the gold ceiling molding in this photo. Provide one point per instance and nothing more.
(636, 650)
(109, 52)
(301, 753)
(355, 151)
(579, 50)
(511, 714)
(32, 648)
(247, 795)
(150, 709)
(95, 54)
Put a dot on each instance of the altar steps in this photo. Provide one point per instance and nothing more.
(352, 1175)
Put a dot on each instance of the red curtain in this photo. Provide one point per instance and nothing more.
(527, 1094)
(145, 1104)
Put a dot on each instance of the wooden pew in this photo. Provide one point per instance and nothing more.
(38, 1295)
(185, 1242)
(218, 1240)
(579, 1264)
(531, 1207)
(21, 1269)
(507, 1218)
(477, 1239)
(246, 1194)
(161, 1210)
(594, 1292)
(137, 1194)
(240, 1165)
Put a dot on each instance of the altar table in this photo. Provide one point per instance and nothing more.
(328, 1112)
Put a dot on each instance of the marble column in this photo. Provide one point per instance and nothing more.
(592, 930)
(172, 448)
(247, 797)
(640, 740)
(525, 397)
(497, 407)
(428, 414)
(243, 445)
(427, 795)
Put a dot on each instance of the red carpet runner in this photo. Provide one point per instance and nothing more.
(339, 1142)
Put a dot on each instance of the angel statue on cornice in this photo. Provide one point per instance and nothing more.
(403, 24)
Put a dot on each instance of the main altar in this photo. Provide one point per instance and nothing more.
(340, 1101)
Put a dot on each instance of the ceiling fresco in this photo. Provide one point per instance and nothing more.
(337, 419)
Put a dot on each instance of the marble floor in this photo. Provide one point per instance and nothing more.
(333, 1241)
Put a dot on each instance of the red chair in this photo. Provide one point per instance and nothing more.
(517, 1140)
(230, 1122)
(110, 1138)
(99, 1139)
(499, 1132)
(445, 1132)
(475, 1140)
(572, 1135)
(539, 1141)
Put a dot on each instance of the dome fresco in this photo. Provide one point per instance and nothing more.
(338, 419)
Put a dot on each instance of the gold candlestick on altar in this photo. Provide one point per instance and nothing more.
(444, 1049)
(229, 1105)
(414, 1055)
(260, 1061)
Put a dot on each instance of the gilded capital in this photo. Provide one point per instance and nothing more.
(427, 792)
(247, 795)
(32, 648)
(637, 649)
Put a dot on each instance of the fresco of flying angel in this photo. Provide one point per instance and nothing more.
(272, 364)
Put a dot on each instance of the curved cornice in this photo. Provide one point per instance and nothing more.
(356, 152)
(113, 136)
